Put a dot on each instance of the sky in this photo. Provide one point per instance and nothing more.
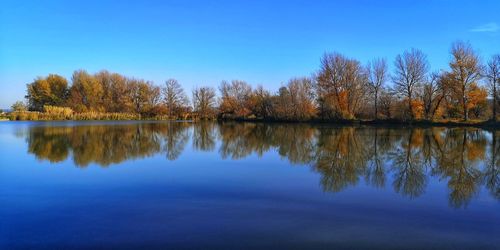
(201, 43)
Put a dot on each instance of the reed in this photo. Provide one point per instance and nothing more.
(53, 113)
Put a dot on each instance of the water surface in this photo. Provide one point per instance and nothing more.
(247, 185)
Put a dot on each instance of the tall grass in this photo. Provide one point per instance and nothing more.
(58, 113)
(61, 113)
(105, 116)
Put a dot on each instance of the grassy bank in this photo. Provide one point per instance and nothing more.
(89, 116)
(64, 114)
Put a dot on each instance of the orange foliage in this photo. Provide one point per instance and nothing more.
(343, 104)
(476, 95)
(418, 109)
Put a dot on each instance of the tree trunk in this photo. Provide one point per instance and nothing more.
(376, 104)
(464, 103)
(464, 106)
(494, 99)
(410, 107)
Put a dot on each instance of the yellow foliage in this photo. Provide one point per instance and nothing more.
(476, 95)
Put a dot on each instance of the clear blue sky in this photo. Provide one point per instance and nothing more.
(204, 42)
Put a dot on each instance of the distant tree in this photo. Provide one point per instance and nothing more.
(282, 110)
(121, 94)
(409, 75)
(86, 93)
(104, 79)
(261, 102)
(145, 97)
(235, 98)
(477, 103)
(174, 97)
(19, 106)
(204, 102)
(341, 86)
(465, 73)
(493, 76)
(433, 94)
(387, 101)
(377, 75)
(301, 91)
(50, 90)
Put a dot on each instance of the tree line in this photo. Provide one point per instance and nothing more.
(342, 89)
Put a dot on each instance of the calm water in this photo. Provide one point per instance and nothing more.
(245, 185)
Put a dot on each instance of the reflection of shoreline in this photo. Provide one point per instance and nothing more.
(467, 158)
(107, 144)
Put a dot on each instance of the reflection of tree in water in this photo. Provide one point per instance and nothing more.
(293, 141)
(50, 143)
(456, 160)
(204, 136)
(382, 143)
(492, 171)
(175, 137)
(102, 144)
(410, 178)
(239, 140)
(113, 144)
(342, 155)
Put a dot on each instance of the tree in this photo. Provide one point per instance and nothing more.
(174, 97)
(387, 101)
(235, 97)
(281, 108)
(410, 73)
(432, 95)
(145, 97)
(377, 74)
(104, 79)
(204, 102)
(477, 97)
(86, 93)
(301, 91)
(493, 76)
(50, 90)
(341, 86)
(19, 106)
(120, 94)
(466, 71)
(261, 103)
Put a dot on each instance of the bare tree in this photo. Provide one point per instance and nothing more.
(466, 70)
(432, 95)
(410, 73)
(386, 103)
(341, 86)
(234, 98)
(204, 102)
(493, 75)
(262, 102)
(174, 97)
(301, 92)
(377, 74)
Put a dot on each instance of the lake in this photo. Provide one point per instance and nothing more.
(205, 185)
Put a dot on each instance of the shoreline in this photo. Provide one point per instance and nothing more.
(487, 124)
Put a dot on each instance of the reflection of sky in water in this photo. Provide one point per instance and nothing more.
(210, 185)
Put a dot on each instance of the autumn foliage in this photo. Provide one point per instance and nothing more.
(342, 89)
